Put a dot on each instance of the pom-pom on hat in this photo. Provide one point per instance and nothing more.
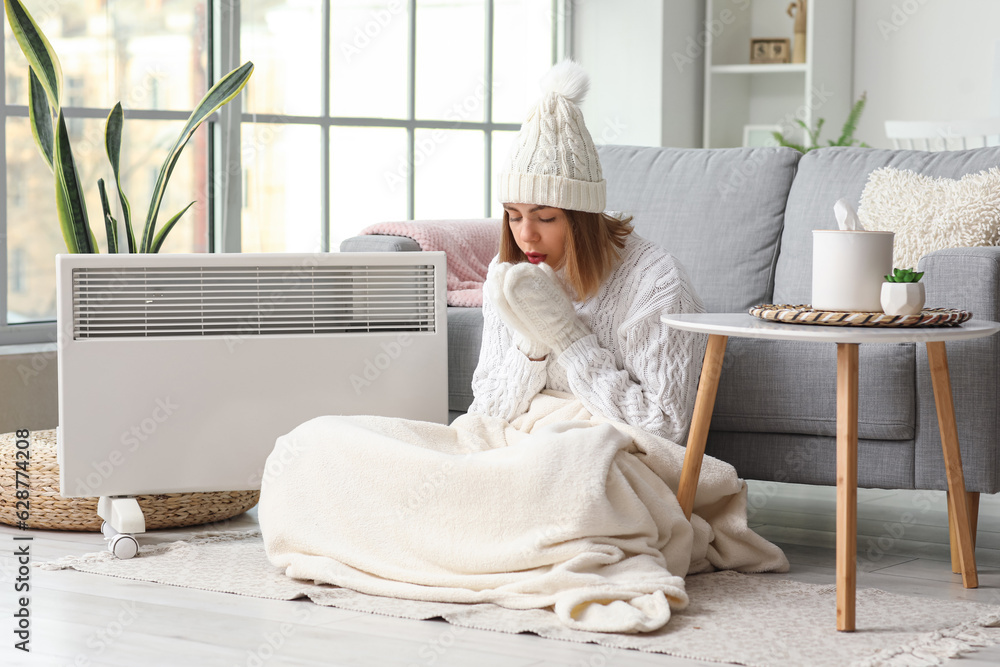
(553, 161)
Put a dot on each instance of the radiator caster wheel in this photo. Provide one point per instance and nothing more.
(107, 530)
(123, 546)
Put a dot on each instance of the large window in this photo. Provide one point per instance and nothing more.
(358, 111)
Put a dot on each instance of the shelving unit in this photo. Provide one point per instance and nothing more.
(738, 93)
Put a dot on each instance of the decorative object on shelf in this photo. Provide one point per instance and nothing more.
(49, 129)
(930, 213)
(846, 137)
(903, 293)
(805, 314)
(759, 135)
(768, 50)
(797, 9)
(52, 511)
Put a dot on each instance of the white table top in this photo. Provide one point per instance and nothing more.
(744, 325)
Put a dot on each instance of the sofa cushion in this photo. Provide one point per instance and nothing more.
(827, 174)
(812, 459)
(928, 214)
(465, 337)
(718, 211)
(791, 387)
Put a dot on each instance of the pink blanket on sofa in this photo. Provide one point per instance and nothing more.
(469, 245)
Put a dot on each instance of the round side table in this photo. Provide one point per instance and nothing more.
(720, 326)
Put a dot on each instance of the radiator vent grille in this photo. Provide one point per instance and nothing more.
(144, 302)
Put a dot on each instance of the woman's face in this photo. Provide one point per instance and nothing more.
(540, 232)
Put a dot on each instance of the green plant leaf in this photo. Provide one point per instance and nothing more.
(110, 224)
(222, 92)
(113, 146)
(40, 54)
(70, 203)
(814, 134)
(918, 276)
(851, 124)
(780, 138)
(162, 236)
(40, 115)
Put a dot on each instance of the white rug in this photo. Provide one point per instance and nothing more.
(733, 618)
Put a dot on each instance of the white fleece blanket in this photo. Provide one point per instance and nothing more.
(559, 509)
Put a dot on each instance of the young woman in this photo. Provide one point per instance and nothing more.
(556, 499)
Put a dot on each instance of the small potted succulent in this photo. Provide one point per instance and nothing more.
(903, 293)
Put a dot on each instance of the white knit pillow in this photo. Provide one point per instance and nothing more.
(928, 213)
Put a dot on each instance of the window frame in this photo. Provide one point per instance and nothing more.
(225, 194)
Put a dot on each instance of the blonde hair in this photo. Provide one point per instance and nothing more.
(592, 248)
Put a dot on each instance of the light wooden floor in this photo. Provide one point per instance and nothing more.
(83, 619)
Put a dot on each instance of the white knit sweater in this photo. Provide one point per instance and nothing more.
(632, 368)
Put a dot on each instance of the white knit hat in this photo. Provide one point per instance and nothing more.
(553, 161)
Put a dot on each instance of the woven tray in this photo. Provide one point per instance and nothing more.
(52, 511)
(803, 314)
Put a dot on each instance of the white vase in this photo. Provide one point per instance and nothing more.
(902, 298)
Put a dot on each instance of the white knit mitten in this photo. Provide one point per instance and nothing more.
(536, 298)
(532, 348)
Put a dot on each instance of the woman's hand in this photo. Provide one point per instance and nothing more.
(534, 349)
(538, 301)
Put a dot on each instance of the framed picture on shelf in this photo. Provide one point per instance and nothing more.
(766, 50)
(755, 136)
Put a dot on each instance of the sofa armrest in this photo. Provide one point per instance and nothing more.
(965, 278)
(379, 243)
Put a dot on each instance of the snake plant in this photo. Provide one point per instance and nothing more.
(904, 276)
(48, 126)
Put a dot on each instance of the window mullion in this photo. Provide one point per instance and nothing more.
(488, 109)
(411, 110)
(4, 275)
(229, 170)
(325, 149)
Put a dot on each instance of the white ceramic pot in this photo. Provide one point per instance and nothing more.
(849, 268)
(903, 298)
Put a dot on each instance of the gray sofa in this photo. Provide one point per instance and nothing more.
(740, 220)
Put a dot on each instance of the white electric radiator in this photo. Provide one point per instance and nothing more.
(178, 372)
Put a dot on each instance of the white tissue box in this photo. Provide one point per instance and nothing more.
(849, 268)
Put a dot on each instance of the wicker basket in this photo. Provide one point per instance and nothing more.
(52, 511)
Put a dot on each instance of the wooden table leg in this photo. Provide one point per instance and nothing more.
(847, 483)
(958, 507)
(973, 504)
(704, 403)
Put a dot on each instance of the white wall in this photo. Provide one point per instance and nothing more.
(923, 60)
(646, 77)
(683, 80)
(620, 44)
